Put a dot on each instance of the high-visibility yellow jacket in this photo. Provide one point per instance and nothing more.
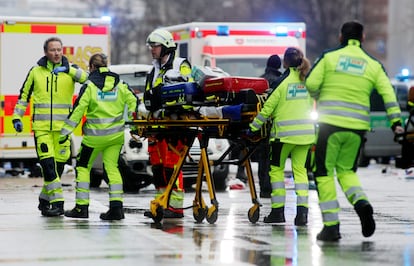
(51, 94)
(175, 68)
(342, 80)
(102, 99)
(289, 106)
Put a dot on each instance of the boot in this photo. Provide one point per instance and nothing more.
(277, 215)
(56, 210)
(44, 205)
(329, 233)
(115, 212)
(148, 214)
(365, 211)
(80, 211)
(301, 218)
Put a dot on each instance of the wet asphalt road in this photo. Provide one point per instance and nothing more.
(27, 238)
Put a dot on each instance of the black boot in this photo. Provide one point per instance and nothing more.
(301, 216)
(44, 205)
(80, 211)
(115, 212)
(56, 210)
(148, 214)
(277, 215)
(365, 212)
(329, 233)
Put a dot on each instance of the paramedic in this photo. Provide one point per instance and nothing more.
(341, 81)
(51, 85)
(103, 99)
(163, 157)
(292, 133)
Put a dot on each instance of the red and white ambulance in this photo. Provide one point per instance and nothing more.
(21, 46)
(238, 48)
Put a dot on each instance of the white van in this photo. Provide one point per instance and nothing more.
(380, 144)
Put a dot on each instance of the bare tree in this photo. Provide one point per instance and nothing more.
(129, 30)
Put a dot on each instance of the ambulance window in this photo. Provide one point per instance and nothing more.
(250, 67)
(136, 81)
(402, 96)
(377, 104)
(183, 50)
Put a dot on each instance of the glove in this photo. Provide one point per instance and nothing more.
(399, 133)
(57, 70)
(63, 138)
(18, 125)
(253, 134)
(399, 137)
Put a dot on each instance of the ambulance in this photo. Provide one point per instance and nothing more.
(21, 46)
(238, 48)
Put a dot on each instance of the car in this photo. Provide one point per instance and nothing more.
(134, 159)
(380, 144)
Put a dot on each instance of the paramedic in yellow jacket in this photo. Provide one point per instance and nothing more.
(50, 85)
(341, 81)
(102, 99)
(292, 133)
(167, 69)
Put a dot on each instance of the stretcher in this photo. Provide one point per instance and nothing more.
(189, 128)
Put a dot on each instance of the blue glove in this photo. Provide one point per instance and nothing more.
(63, 138)
(18, 125)
(252, 134)
(57, 70)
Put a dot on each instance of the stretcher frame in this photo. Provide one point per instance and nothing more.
(193, 128)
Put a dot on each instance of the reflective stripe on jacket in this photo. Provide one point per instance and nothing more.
(51, 94)
(103, 104)
(289, 106)
(174, 67)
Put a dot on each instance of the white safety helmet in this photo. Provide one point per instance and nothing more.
(164, 38)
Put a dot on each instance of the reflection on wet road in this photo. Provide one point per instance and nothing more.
(29, 239)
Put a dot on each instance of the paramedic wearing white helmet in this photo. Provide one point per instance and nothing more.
(167, 69)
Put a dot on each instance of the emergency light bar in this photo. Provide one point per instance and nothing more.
(404, 75)
(223, 30)
(281, 31)
(405, 72)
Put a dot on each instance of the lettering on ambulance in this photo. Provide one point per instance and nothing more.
(81, 58)
(81, 55)
(243, 50)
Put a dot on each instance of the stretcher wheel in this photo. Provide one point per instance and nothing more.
(199, 214)
(254, 213)
(160, 214)
(212, 215)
